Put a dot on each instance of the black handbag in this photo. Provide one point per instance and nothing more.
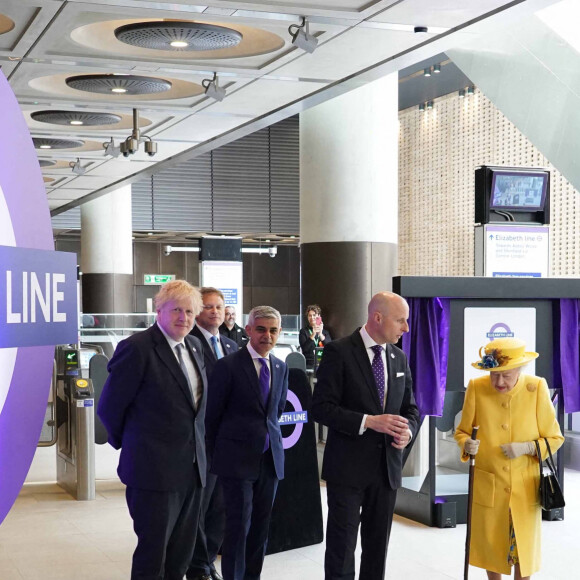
(551, 496)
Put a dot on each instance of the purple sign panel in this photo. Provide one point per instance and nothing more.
(297, 417)
(39, 287)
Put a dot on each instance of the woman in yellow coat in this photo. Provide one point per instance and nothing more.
(512, 410)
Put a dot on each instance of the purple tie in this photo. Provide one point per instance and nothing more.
(379, 372)
(265, 390)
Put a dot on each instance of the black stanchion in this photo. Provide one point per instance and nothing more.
(297, 513)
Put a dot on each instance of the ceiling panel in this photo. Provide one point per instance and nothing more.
(56, 39)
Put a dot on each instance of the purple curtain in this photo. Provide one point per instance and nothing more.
(426, 346)
(567, 360)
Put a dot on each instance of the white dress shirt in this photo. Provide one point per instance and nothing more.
(369, 343)
(207, 335)
(193, 375)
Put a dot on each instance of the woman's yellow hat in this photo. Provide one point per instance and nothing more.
(503, 354)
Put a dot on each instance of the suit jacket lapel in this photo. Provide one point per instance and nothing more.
(362, 358)
(164, 351)
(198, 363)
(250, 370)
(276, 372)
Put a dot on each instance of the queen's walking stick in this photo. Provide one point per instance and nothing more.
(469, 502)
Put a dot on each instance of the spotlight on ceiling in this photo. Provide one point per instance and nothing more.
(429, 104)
(422, 107)
(77, 168)
(427, 72)
(436, 69)
(462, 93)
(212, 88)
(301, 37)
(471, 90)
(111, 150)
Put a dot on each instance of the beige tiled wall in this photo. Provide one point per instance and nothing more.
(439, 151)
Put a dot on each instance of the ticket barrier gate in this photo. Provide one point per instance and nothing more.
(75, 400)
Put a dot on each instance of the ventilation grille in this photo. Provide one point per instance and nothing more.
(118, 84)
(251, 185)
(189, 36)
(42, 143)
(73, 118)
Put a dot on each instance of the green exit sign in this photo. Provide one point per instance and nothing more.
(157, 279)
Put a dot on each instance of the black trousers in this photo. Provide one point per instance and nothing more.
(372, 507)
(248, 510)
(165, 523)
(210, 531)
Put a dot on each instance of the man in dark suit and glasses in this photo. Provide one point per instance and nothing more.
(210, 533)
(364, 395)
(153, 407)
(247, 395)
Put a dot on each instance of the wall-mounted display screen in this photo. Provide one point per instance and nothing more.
(518, 190)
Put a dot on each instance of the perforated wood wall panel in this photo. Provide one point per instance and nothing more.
(439, 151)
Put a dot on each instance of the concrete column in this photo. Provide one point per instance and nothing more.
(349, 201)
(107, 253)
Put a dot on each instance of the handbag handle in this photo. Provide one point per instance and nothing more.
(549, 460)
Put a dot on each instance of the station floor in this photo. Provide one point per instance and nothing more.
(50, 536)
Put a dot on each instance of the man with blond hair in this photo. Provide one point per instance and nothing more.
(364, 395)
(153, 407)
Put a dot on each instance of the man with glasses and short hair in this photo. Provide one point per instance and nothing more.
(247, 395)
(153, 407)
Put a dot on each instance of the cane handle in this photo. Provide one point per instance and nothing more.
(474, 431)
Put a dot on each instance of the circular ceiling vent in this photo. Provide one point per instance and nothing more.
(75, 118)
(46, 162)
(179, 36)
(118, 84)
(42, 143)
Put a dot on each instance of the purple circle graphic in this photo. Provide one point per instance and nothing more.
(292, 439)
(22, 188)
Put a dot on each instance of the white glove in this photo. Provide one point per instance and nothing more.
(471, 446)
(513, 450)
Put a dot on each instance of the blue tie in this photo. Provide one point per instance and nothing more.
(265, 390)
(379, 372)
(216, 350)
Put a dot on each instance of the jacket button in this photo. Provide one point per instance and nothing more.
(507, 489)
(505, 427)
(531, 387)
(506, 468)
(505, 404)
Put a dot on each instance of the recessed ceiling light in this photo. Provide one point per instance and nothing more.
(76, 122)
(118, 90)
(45, 147)
(179, 44)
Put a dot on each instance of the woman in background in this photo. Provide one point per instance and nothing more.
(313, 335)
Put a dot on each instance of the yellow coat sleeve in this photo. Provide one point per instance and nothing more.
(468, 419)
(547, 423)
